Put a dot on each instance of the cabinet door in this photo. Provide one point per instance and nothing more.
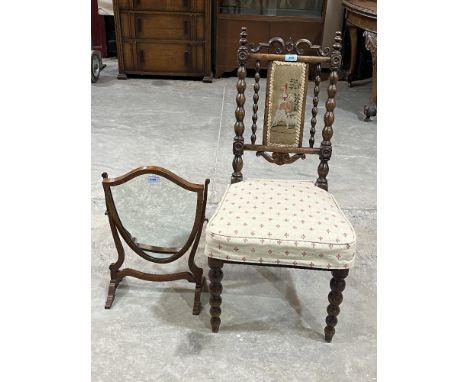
(310, 29)
(168, 26)
(169, 5)
(123, 4)
(228, 39)
(168, 58)
(128, 56)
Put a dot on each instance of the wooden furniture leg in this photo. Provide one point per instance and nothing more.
(370, 110)
(196, 300)
(353, 36)
(216, 275)
(111, 292)
(208, 79)
(335, 297)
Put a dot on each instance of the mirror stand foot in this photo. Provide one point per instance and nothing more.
(111, 293)
(197, 300)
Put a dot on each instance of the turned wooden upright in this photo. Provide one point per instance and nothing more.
(329, 117)
(238, 144)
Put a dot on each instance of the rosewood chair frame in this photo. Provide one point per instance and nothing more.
(281, 155)
(118, 230)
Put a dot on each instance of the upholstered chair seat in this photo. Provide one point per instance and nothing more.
(281, 222)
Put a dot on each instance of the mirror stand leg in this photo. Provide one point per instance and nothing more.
(197, 300)
(111, 292)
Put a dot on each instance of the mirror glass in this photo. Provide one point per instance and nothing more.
(155, 212)
(299, 8)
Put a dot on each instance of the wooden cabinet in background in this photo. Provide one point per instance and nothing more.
(164, 37)
(264, 19)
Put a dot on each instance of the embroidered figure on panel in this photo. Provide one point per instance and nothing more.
(285, 104)
(285, 113)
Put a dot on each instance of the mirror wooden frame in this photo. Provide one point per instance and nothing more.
(195, 275)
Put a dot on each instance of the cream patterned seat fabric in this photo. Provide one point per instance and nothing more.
(280, 222)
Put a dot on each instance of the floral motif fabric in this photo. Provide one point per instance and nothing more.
(281, 222)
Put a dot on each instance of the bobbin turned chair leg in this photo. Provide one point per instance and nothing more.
(335, 297)
(215, 275)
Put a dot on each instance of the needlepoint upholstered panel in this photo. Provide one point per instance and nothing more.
(285, 104)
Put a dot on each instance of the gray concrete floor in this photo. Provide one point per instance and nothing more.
(272, 318)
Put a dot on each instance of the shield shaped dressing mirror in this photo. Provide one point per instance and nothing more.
(160, 216)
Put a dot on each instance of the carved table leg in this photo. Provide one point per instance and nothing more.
(353, 40)
(371, 45)
(111, 292)
(335, 297)
(196, 301)
(216, 275)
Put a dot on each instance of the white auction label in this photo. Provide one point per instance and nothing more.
(290, 57)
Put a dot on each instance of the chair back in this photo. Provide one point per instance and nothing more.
(288, 64)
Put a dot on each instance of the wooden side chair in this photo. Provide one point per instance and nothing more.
(282, 223)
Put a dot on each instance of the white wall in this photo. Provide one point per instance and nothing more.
(105, 7)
